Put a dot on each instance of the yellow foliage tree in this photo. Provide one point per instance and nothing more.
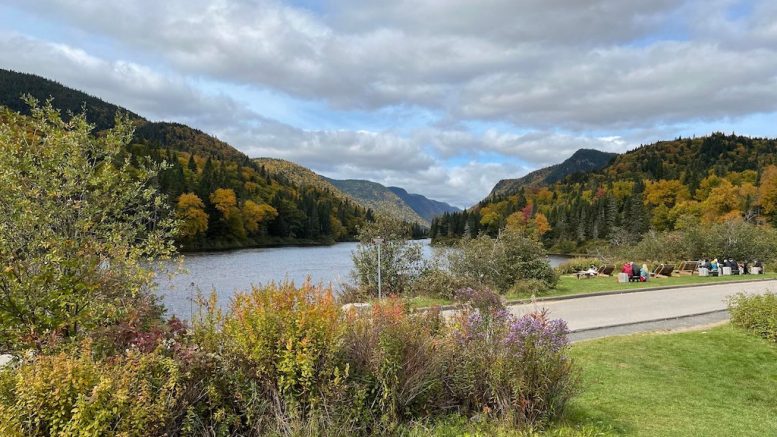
(665, 192)
(225, 201)
(767, 191)
(254, 214)
(541, 224)
(191, 211)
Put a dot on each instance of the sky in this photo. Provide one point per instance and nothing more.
(441, 97)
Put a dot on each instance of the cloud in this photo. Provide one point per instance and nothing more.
(571, 65)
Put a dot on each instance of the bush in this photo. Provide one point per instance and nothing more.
(757, 314)
(737, 239)
(396, 362)
(500, 262)
(64, 394)
(287, 339)
(528, 288)
(513, 369)
(438, 282)
(577, 264)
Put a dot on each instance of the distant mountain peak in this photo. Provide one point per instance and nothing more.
(583, 160)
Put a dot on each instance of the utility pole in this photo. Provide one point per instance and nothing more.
(379, 241)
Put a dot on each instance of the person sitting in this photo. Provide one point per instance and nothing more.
(760, 266)
(634, 276)
(627, 269)
(734, 266)
(644, 274)
(714, 267)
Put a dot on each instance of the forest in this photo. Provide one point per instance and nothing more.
(224, 198)
(664, 186)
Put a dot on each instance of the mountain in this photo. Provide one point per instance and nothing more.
(426, 208)
(582, 161)
(303, 176)
(368, 194)
(379, 198)
(244, 203)
(662, 186)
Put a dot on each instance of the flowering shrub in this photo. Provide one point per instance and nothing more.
(289, 361)
(396, 360)
(288, 339)
(512, 368)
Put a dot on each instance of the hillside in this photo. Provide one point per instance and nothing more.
(303, 176)
(227, 200)
(582, 161)
(662, 186)
(379, 198)
(423, 206)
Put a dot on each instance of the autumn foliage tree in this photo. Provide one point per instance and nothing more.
(191, 212)
(79, 227)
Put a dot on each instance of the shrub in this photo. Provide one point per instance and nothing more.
(439, 282)
(513, 369)
(481, 299)
(134, 394)
(757, 314)
(396, 365)
(737, 239)
(287, 338)
(528, 288)
(500, 262)
(575, 265)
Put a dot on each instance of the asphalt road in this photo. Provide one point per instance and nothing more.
(597, 316)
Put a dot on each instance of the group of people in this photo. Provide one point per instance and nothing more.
(634, 272)
(715, 267)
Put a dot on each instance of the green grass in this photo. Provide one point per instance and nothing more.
(569, 285)
(717, 382)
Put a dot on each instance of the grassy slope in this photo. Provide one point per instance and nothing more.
(717, 382)
(569, 285)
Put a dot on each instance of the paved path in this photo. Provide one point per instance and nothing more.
(634, 309)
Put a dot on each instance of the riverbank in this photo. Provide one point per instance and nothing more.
(571, 286)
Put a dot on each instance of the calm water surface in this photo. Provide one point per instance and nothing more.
(227, 272)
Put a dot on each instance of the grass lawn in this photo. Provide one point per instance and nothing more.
(569, 285)
(717, 382)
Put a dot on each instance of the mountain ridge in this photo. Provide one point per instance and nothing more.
(582, 161)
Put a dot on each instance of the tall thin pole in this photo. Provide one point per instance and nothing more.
(378, 241)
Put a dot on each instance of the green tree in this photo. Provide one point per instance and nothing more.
(401, 260)
(78, 227)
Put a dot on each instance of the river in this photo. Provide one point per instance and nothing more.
(226, 272)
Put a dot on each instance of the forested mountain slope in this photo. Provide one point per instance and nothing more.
(427, 208)
(661, 186)
(379, 198)
(582, 161)
(225, 199)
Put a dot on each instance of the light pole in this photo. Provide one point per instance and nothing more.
(378, 241)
